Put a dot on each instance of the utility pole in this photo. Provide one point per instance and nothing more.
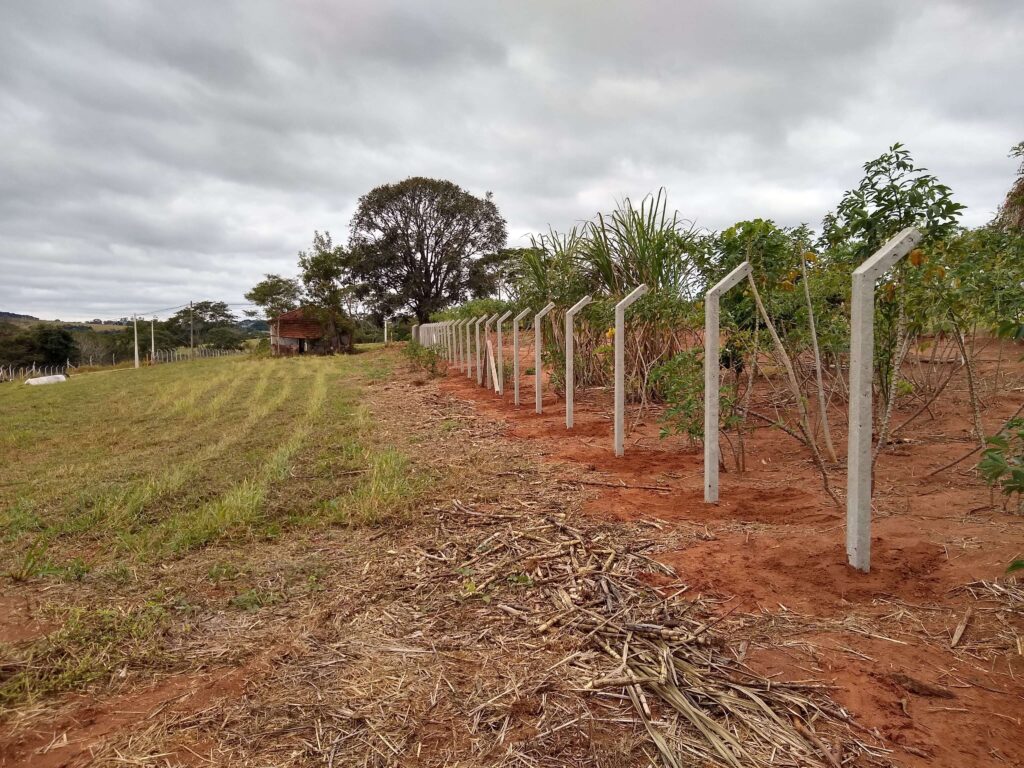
(152, 341)
(191, 333)
(135, 322)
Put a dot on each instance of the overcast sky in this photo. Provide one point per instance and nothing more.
(156, 152)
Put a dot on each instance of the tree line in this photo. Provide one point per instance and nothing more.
(205, 324)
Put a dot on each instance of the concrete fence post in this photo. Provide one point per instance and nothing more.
(479, 351)
(415, 334)
(487, 337)
(456, 358)
(538, 367)
(501, 353)
(862, 350)
(711, 377)
(620, 365)
(570, 358)
(515, 353)
(469, 349)
(464, 343)
(135, 324)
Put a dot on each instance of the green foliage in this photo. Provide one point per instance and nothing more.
(90, 645)
(275, 295)
(427, 358)
(1002, 463)
(641, 244)
(324, 271)
(680, 383)
(893, 195)
(41, 344)
(225, 337)
(1011, 212)
(473, 309)
(416, 245)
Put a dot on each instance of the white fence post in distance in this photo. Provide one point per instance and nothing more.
(515, 353)
(479, 352)
(570, 362)
(501, 353)
(620, 365)
(538, 369)
(862, 350)
(487, 337)
(711, 376)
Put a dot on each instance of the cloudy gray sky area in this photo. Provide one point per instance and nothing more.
(154, 152)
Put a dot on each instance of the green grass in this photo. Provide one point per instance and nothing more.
(116, 481)
(154, 463)
(90, 645)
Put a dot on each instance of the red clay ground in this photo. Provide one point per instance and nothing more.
(774, 550)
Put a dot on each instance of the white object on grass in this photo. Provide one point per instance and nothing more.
(39, 380)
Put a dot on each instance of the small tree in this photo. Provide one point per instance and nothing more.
(275, 295)
(324, 271)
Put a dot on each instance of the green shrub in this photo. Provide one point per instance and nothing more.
(1002, 463)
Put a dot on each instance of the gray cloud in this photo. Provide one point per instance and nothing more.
(154, 153)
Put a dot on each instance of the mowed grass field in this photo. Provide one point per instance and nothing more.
(114, 482)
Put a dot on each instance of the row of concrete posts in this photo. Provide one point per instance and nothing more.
(460, 342)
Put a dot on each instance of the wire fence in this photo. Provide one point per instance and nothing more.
(12, 373)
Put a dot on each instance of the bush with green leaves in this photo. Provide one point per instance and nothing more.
(1002, 463)
(427, 358)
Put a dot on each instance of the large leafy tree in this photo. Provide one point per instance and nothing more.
(415, 245)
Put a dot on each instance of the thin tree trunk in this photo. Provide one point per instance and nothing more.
(895, 364)
(822, 405)
(795, 389)
(971, 388)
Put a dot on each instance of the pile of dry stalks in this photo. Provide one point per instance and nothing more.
(696, 702)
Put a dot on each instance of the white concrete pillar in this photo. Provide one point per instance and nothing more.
(862, 349)
(570, 358)
(500, 351)
(620, 365)
(469, 349)
(415, 334)
(479, 351)
(135, 322)
(538, 366)
(487, 337)
(515, 352)
(711, 377)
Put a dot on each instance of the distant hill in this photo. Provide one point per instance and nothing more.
(16, 316)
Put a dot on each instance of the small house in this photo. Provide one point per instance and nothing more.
(301, 332)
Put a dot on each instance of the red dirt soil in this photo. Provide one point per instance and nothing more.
(774, 550)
